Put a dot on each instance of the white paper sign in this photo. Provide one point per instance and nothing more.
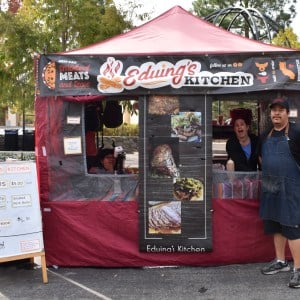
(72, 145)
(75, 120)
(20, 214)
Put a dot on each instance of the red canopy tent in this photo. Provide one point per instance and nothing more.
(176, 32)
(80, 230)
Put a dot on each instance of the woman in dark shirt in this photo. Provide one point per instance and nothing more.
(106, 162)
(242, 147)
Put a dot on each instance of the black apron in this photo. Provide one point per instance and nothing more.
(280, 193)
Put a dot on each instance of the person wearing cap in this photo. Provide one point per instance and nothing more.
(242, 147)
(280, 193)
(106, 162)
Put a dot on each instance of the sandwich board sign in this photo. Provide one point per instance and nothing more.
(20, 215)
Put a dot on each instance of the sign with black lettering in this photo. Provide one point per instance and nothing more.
(213, 74)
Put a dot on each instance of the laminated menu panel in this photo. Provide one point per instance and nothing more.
(176, 164)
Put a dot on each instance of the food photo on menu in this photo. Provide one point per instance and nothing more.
(188, 189)
(163, 105)
(164, 217)
(164, 160)
(186, 126)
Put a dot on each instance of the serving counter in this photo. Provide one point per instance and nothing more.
(236, 185)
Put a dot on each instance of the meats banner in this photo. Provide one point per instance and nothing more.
(175, 188)
(215, 74)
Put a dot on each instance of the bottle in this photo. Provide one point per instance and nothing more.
(230, 165)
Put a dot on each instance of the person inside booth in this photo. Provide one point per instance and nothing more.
(102, 116)
(109, 161)
(105, 162)
(242, 147)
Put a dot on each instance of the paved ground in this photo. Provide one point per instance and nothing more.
(164, 283)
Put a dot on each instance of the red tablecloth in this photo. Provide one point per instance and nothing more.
(106, 234)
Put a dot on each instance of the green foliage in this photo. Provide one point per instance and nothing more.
(279, 14)
(123, 130)
(223, 108)
(17, 155)
(131, 106)
(69, 24)
(18, 39)
(280, 11)
(134, 10)
(286, 38)
(48, 26)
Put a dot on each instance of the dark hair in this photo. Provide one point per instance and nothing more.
(104, 152)
(241, 113)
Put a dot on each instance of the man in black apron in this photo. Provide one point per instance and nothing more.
(280, 195)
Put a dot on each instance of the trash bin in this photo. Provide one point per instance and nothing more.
(11, 140)
(28, 140)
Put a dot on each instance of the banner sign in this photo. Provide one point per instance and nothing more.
(219, 74)
(20, 215)
(175, 188)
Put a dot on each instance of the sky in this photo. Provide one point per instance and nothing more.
(160, 6)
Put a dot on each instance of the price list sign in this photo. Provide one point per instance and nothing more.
(20, 214)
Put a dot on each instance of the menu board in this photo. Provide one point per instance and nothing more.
(176, 163)
(20, 215)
